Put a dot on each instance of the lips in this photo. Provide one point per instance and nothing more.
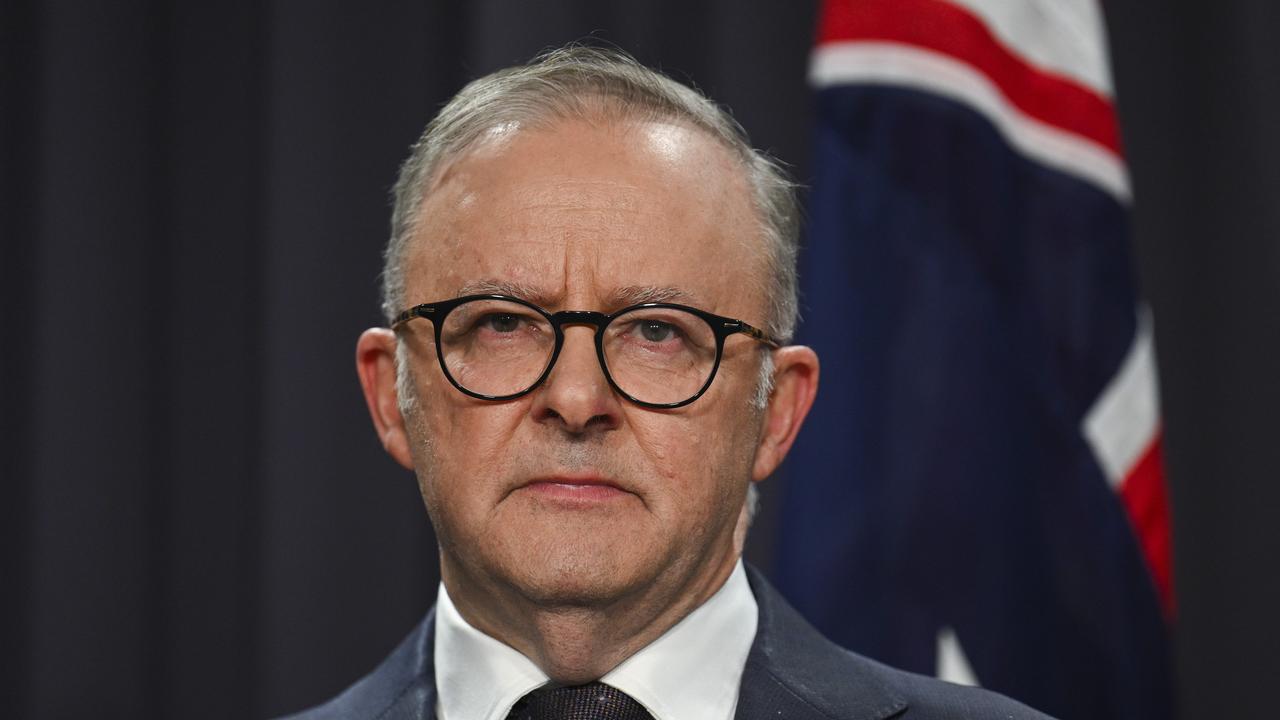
(573, 488)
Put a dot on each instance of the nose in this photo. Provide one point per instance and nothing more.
(576, 396)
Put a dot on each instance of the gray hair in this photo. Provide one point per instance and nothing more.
(578, 81)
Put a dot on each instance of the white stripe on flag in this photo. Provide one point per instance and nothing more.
(888, 63)
(1066, 37)
(951, 663)
(1125, 419)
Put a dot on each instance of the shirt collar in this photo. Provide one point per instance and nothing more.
(477, 676)
(693, 670)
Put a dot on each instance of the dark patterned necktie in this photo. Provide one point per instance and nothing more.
(593, 701)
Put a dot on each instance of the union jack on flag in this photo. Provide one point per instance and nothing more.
(978, 493)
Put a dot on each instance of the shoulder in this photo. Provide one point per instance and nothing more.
(928, 697)
(402, 686)
(793, 671)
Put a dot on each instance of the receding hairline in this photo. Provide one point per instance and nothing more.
(625, 119)
(730, 193)
(597, 86)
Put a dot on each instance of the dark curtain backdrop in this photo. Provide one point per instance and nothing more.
(197, 519)
(1198, 87)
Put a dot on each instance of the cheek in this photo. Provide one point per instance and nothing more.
(464, 449)
(700, 464)
(474, 443)
(460, 425)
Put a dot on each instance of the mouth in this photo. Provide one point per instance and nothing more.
(575, 489)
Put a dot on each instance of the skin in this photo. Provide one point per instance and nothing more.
(576, 526)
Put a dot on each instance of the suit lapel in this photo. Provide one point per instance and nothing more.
(793, 672)
(417, 705)
(415, 673)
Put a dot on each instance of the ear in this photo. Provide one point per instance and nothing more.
(795, 383)
(376, 366)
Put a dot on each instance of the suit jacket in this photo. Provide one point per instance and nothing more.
(792, 673)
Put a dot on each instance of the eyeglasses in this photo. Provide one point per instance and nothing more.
(658, 355)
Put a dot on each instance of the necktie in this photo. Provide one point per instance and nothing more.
(593, 701)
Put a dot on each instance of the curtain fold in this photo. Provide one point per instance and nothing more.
(197, 519)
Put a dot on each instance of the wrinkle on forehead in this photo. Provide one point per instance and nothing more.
(650, 149)
(577, 195)
(598, 217)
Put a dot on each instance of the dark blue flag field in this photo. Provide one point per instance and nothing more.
(978, 493)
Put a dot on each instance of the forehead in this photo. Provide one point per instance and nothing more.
(579, 211)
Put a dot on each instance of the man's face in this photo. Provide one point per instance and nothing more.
(571, 494)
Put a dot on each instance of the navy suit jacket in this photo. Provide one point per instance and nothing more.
(792, 673)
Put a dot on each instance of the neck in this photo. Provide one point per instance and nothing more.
(575, 643)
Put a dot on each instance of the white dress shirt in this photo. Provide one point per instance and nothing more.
(691, 672)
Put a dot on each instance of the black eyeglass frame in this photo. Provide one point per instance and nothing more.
(721, 326)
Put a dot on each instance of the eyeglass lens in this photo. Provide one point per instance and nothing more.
(655, 355)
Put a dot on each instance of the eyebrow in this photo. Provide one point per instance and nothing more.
(491, 286)
(619, 298)
(637, 294)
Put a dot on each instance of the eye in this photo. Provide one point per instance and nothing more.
(500, 322)
(657, 331)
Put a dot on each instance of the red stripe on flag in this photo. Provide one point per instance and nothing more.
(1147, 500)
(951, 30)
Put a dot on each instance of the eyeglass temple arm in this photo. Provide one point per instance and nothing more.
(413, 312)
(754, 332)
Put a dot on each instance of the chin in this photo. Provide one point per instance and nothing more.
(575, 573)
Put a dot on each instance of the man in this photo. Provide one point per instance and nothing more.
(590, 283)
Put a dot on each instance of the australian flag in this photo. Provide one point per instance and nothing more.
(978, 493)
